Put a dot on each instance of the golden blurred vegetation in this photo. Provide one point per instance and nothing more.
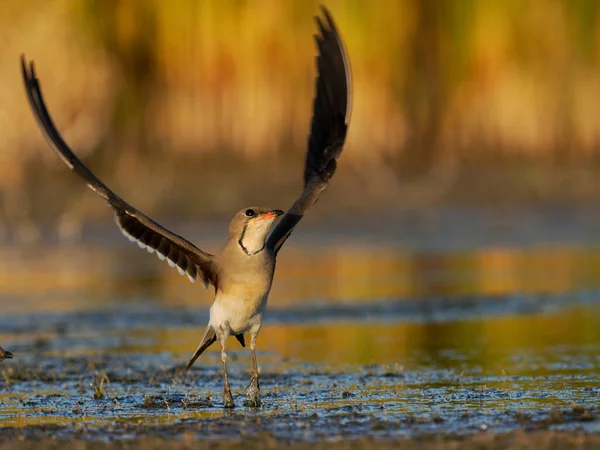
(203, 107)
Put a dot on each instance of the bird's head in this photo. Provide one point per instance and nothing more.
(250, 227)
(5, 354)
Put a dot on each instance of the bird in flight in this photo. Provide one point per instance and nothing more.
(5, 354)
(242, 272)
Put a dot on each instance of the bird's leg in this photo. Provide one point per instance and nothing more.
(253, 389)
(227, 398)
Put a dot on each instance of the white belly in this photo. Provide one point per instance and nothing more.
(237, 315)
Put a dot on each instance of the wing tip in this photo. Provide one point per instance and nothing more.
(327, 14)
(24, 71)
(28, 73)
(320, 38)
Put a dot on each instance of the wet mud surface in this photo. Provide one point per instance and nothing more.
(61, 388)
(381, 360)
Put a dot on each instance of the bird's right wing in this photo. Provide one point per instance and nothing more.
(331, 115)
(188, 258)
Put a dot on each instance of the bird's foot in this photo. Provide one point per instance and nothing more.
(228, 398)
(253, 394)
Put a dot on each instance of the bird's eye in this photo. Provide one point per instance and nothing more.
(250, 213)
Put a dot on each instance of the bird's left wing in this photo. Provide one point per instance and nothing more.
(331, 115)
(179, 252)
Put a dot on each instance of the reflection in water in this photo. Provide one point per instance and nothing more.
(494, 366)
(63, 276)
(491, 343)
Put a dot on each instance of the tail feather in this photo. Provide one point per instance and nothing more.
(240, 338)
(208, 339)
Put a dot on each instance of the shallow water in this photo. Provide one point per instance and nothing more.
(358, 340)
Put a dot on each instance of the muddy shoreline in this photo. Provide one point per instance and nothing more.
(197, 436)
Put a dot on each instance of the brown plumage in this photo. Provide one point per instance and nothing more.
(5, 354)
(242, 272)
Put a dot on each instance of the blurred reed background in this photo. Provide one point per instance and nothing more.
(196, 108)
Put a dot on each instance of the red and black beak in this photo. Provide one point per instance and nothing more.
(271, 214)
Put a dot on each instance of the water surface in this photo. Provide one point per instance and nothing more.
(358, 340)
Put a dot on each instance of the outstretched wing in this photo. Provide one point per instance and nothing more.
(188, 258)
(331, 115)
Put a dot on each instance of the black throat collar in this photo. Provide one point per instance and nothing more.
(241, 244)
